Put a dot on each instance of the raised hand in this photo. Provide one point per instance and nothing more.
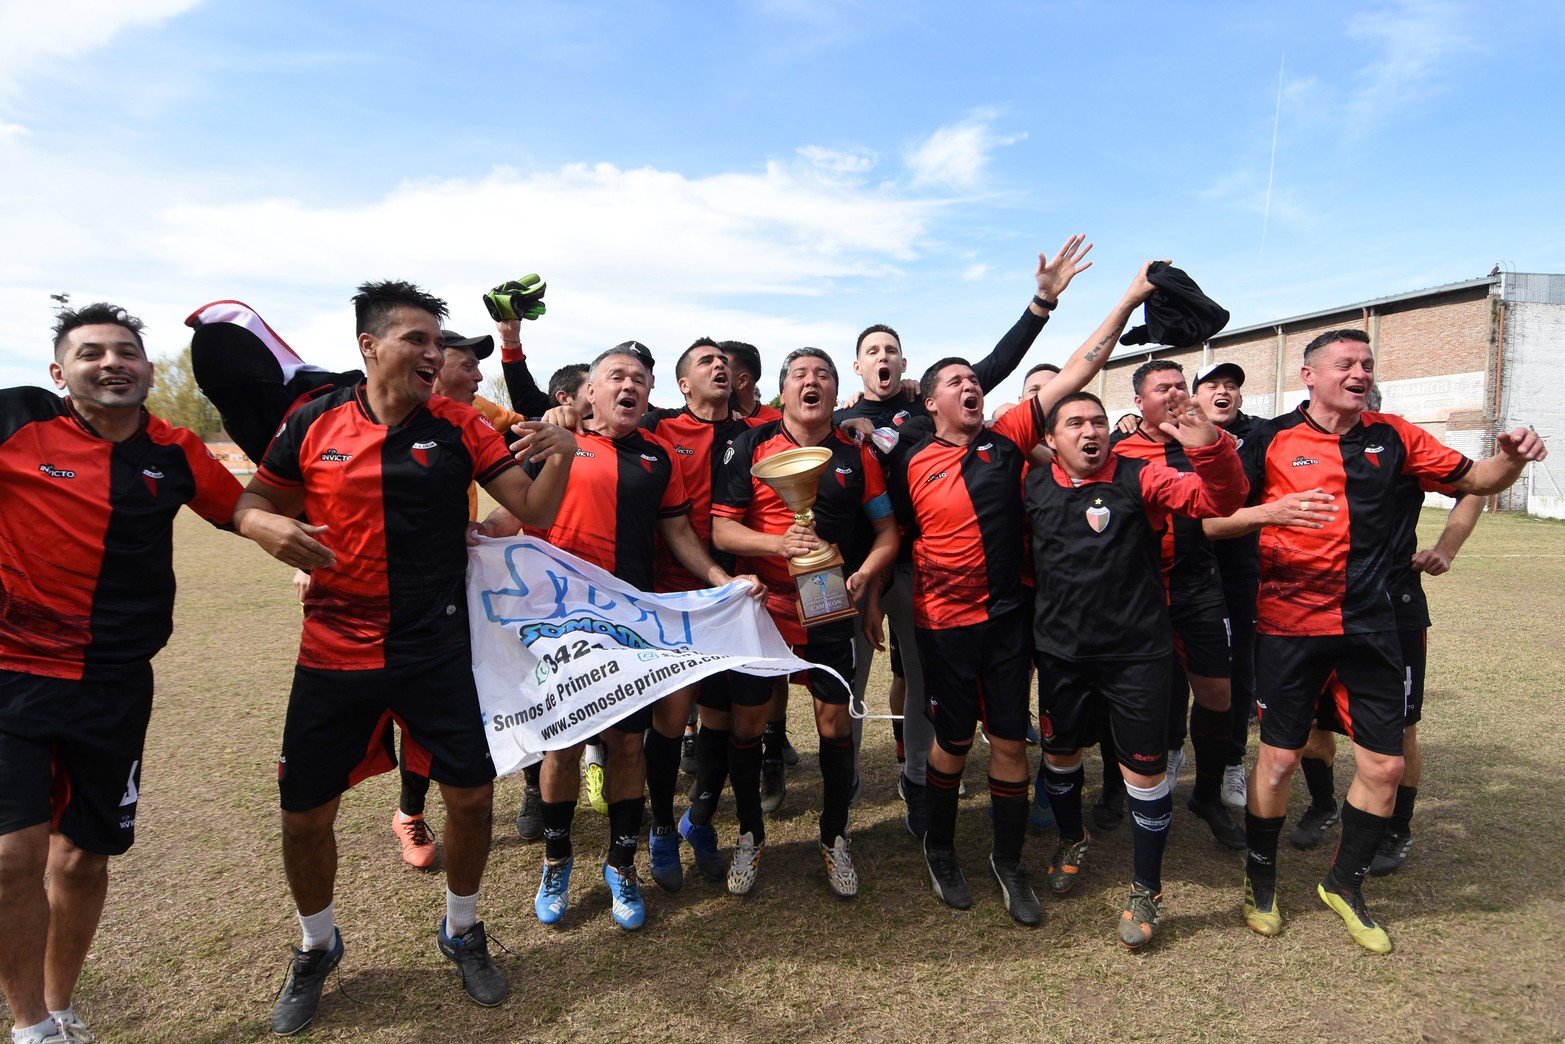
(1521, 444)
(1055, 275)
(1188, 423)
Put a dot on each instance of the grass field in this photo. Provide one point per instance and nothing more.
(196, 934)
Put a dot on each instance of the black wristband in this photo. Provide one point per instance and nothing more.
(1045, 303)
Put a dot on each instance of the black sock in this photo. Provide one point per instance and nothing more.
(1239, 729)
(1009, 800)
(940, 807)
(896, 734)
(624, 832)
(1113, 776)
(711, 773)
(534, 774)
(414, 789)
(836, 760)
(1318, 776)
(1402, 812)
(1065, 798)
(662, 756)
(557, 816)
(1260, 861)
(1209, 735)
(1178, 710)
(744, 772)
(1149, 834)
(1361, 834)
(772, 740)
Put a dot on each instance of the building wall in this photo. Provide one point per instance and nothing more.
(1533, 375)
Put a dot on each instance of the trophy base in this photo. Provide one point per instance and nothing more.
(823, 591)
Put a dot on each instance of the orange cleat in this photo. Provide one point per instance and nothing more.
(418, 841)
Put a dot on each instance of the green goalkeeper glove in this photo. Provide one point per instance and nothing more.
(518, 299)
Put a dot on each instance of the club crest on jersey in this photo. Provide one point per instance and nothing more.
(151, 476)
(1372, 453)
(54, 472)
(899, 418)
(421, 452)
(1301, 461)
(842, 476)
(728, 454)
(1098, 515)
(983, 452)
(647, 460)
(332, 456)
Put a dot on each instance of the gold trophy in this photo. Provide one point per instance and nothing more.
(795, 475)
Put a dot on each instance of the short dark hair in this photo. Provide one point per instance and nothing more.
(806, 353)
(1081, 396)
(743, 356)
(1332, 337)
(926, 383)
(1150, 367)
(682, 365)
(374, 303)
(1040, 368)
(877, 328)
(567, 379)
(96, 314)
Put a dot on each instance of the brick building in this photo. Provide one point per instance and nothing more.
(1464, 360)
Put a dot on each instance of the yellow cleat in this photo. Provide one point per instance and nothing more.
(1267, 922)
(1361, 926)
(595, 799)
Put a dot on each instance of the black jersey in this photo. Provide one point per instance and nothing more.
(1240, 556)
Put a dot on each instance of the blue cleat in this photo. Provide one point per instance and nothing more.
(663, 851)
(703, 843)
(630, 911)
(553, 892)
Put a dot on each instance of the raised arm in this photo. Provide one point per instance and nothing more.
(1086, 361)
(528, 399)
(1514, 450)
(1052, 277)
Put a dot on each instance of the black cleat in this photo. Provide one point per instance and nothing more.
(1109, 810)
(1391, 854)
(774, 786)
(945, 873)
(1021, 902)
(481, 980)
(301, 993)
(790, 756)
(687, 754)
(1311, 828)
(529, 818)
(1216, 815)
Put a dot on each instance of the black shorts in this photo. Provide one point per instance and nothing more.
(1135, 692)
(1415, 655)
(896, 653)
(70, 755)
(338, 728)
(1292, 673)
(726, 689)
(1202, 640)
(980, 672)
(834, 650)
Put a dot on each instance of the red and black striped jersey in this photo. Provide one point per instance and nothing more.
(962, 509)
(699, 446)
(394, 501)
(617, 492)
(1097, 555)
(1189, 560)
(86, 535)
(852, 495)
(1406, 585)
(1335, 580)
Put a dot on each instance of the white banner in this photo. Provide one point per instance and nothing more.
(563, 649)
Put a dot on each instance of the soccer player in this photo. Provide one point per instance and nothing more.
(744, 361)
(1322, 607)
(381, 469)
(1219, 391)
(1195, 606)
(879, 361)
(625, 490)
(750, 520)
(1097, 524)
(91, 484)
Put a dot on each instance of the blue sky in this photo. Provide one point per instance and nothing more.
(782, 172)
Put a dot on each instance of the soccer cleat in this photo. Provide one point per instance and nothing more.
(663, 853)
(1108, 812)
(554, 891)
(844, 880)
(687, 754)
(1392, 853)
(945, 873)
(629, 909)
(1021, 902)
(915, 797)
(1356, 916)
(1236, 793)
(1261, 914)
(529, 818)
(482, 981)
(418, 841)
(1310, 830)
(1065, 865)
(1139, 919)
(52, 1034)
(703, 844)
(790, 757)
(746, 864)
(1224, 830)
(72, 1029)
(594, 780)
(300, 996)
(773, 786)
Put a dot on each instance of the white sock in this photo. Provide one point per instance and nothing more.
(67, 1014)
(27, 1034)
(319, 929)
(461, 913)
(593, 754)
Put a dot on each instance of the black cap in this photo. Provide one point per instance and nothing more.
(483, 347)
(1222, 369)
(637, 349)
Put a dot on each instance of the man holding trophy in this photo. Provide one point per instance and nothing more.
(805, 508)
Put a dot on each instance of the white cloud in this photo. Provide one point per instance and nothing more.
(955, 156)
(13, 130)
(1417, 39)
(856, 161)
(975, 273)
(34, 34)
